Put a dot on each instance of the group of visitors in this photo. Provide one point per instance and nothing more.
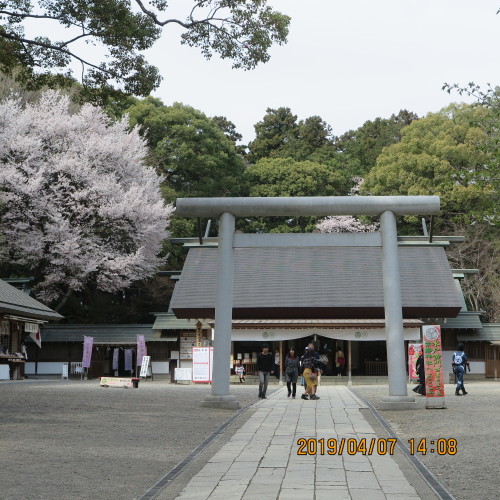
(459, 364)
(310, 366)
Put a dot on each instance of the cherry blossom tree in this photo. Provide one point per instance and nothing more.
(346, 223)
(78, 207)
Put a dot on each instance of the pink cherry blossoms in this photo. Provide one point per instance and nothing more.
(78, 205)
(346, 223)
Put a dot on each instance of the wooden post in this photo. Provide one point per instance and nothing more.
(199, 333)
(495, 361)
(281, 361)
(349, 364)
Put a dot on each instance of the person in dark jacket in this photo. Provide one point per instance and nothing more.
(265, 367)
(292, 371)
(310, 370)
(419, 368)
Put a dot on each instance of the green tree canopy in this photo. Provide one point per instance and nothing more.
(287, 177)
(440, 154)
(233, 29)
(279, 135)
(360, 148)
(276, 128)
(313, 140)
(191, 151)
(229, 128)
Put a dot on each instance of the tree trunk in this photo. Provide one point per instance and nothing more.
(63, 300)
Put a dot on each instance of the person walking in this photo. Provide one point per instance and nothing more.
(265, 367)
(459, 361)
(419, 368)
(310, 366)
(339, 361)
(277, 371)
(292, 372)
(240, 371)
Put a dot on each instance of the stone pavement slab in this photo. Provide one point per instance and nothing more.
(261, 459)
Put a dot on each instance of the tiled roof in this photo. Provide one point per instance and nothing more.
(317, 282)
(103, 334)
(466, 320)
(16, 302)
(490, 332)
(168, 321)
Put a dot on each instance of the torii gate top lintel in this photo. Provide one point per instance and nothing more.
(308, 206)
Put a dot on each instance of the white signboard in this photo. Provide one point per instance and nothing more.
(31, 327)
(4, 372)
(65, 371)
(183, 374)
(145, 365)
(202, 364)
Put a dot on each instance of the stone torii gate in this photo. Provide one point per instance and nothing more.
(387, 207)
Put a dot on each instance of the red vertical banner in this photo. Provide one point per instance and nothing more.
(433, 359)
(414, 351)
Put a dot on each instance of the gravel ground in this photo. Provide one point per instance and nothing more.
(76, 440)
(474, 420)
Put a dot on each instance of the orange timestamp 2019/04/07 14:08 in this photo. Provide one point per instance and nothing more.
(379, 446)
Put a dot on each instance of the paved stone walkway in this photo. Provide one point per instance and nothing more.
(261, 462)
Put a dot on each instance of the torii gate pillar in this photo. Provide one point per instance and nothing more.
(220, 397)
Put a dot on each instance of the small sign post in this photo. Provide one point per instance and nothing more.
(65, 371)
(144, 366)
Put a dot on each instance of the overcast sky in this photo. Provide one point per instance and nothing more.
(347, 61)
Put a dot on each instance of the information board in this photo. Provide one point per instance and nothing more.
(202, 364)
(145, 365)
(187, 341)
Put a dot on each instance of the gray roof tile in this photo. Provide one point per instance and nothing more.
(16, 302)
(317, 282)
(103, 334)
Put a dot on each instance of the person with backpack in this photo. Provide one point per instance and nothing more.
(292, 372)
(310, 370)
(459, 361)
